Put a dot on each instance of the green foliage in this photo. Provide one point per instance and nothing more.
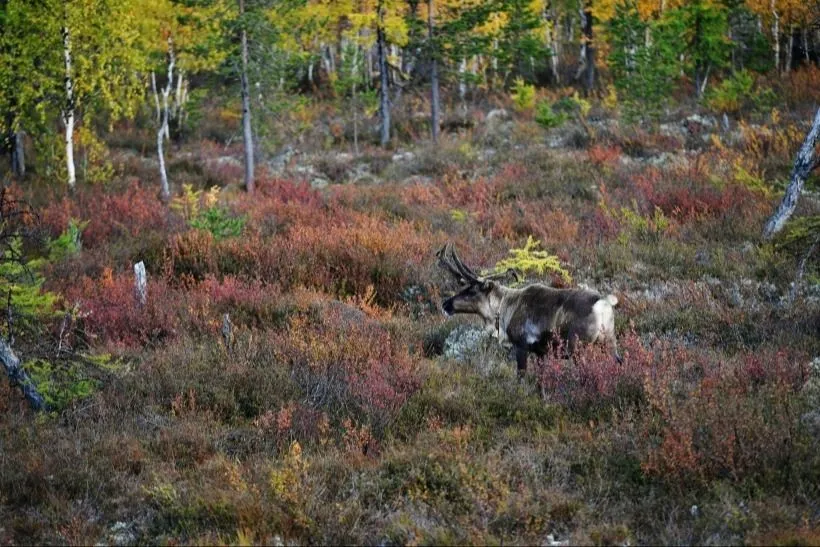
(643, 73)
(547, 117)
(69, 243)
(218, 221)
(21, 277)
(517, 41)
(740, 91)
(704, 26)
(200, 211)
(523, 95)
(800, 233)
(530, 259)
(60, 386)
(189, 203)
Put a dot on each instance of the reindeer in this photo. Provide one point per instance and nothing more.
(534, 318)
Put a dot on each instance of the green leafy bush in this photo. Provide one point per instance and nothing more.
(60, 385)
(547, 117)
(20, 278)
(738, 92)
(523, 95)
(70, 241)
(219, 223)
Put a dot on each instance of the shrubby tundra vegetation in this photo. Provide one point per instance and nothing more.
(285, 171)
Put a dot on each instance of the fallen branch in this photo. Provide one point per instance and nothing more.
(804, 163)
(19, 377)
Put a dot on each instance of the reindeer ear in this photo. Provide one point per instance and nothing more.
(487, 285)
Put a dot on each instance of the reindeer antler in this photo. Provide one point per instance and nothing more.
(502, 275)
(455, 266)
(465, 270)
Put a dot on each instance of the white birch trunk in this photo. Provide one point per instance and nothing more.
(246, 110)
(18, 376)
(354, 73)
(775, 34)
(164, 113)
(551, 38)
(18, 154)
(804, 163)
(789, 54)
(462, 83)
(68, 111)
(384, 99)
(435, 101)
(805, 33)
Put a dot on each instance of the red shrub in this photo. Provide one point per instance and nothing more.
(731, 418)
(594, 379)
(111, 315)
(688, 198)
(134, 211)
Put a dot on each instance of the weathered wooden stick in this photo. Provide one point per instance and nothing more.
(140, 283)
(18, 376)
(227, 332)
(804, 163)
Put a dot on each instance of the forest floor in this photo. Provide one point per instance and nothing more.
(342, 407)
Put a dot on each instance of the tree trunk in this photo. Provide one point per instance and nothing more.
(19, 377)
(368, 63)
(177, 117)
(775, 35)
(435, 104)
(384, 99)
(68, 111)
(789, 52)
(354, 70)
(551, 38)
(163, 132)
(246, 108)
(18, 154)
(589, 49)
(805, 33)
(462, 83)
(804, 163)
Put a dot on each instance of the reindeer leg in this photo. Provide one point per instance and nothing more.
(521, 360)
(618, 357)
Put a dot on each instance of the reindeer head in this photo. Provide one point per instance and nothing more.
(476, 292)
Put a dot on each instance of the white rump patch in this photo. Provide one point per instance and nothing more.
(604, 316)
(531, 332)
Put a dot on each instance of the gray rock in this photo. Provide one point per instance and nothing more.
(476, 346)
(497, 114)
(281, 160)
(705, 121)
(317, 183)
(420, 180)
(121, 533)
(403, 157)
